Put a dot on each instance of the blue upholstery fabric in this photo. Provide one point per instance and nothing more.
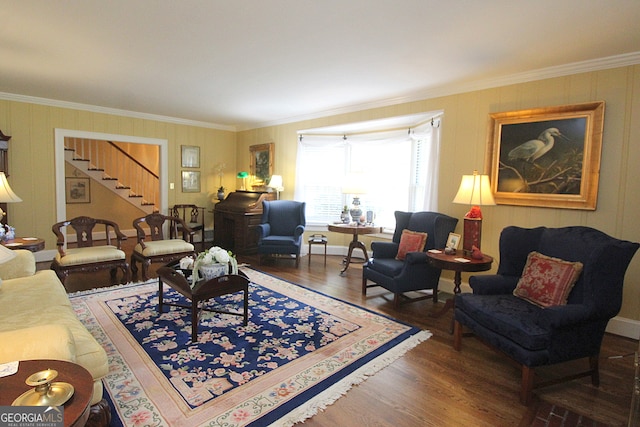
(535, 336)
(412, 273)
(281, 228)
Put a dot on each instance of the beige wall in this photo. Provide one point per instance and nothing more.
(464, 129)
(32, 168)
(463, 147)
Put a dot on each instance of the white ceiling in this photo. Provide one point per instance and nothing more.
(246, 63)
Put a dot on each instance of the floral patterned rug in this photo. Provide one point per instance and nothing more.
(300, 351)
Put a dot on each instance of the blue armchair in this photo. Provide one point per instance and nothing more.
(281, 228)
(534, 336)
(414, 272)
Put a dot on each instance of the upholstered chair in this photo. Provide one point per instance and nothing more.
(154, 247)
(399, 272)
(89, 253)
(550, 301)
(281, 227)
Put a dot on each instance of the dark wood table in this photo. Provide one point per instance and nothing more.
(33, 244)
(203, 291)
(355, 230)
(454, 263)
(76, 409)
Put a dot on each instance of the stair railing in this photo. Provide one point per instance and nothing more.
(117, 164)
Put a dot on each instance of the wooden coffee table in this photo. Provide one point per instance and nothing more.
(33, 244)
(203, 291)
(76, 409)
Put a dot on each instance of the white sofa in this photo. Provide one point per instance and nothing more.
(38, 322)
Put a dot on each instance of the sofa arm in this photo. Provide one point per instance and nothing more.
(23, 265)
(493, 284)
(52, 341)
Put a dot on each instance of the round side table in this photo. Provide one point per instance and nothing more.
(76, 409)
(33, 244)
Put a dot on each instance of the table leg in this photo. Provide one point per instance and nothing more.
(194, 320)
(450, 303)
(160, 298)
(354, 244)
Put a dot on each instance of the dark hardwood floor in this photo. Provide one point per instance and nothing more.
(433, 385)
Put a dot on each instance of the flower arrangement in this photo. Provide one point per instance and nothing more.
(215, 255)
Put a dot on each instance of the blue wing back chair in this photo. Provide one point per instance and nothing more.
(281, 228)
(534, 336)
(413, 273)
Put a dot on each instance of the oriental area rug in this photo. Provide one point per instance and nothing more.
(300, 351)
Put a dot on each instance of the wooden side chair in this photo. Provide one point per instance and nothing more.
(89, 256)
(155, 247)
(193, 216)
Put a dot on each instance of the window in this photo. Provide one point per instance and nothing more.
(388, 169)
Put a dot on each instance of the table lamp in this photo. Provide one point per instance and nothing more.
(475, 191)
(355, 186)
(276, 183)
(6, 193)
(243, 176)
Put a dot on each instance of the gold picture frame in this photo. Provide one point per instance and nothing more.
(546, 157)
(261, 163)
(78, 190)
(190, 156)
(190, 181)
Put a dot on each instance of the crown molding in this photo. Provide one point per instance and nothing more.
(112, 111)
(616, 61)
(457, 88)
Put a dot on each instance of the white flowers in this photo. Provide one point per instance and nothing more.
(215, 255)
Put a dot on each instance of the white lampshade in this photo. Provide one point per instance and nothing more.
(6, 193)
(355, 183)
(276, 182)
(474, 190)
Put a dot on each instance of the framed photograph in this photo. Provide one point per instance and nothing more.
(453, 241)
(261, 163)
(190, 181)
(190, 156)
(78, 190)
(546, 157)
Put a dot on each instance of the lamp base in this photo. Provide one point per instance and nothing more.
(472, 234)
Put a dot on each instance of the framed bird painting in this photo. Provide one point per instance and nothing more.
(546, 157)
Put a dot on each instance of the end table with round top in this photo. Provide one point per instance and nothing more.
(458, 264)
(76, 409)
(356, 230)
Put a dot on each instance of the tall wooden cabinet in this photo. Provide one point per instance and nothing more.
(235, 221)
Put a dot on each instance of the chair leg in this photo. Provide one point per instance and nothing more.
(364, 285)
(526, 390)
(396, 300)
(457, 335)
(594, 363)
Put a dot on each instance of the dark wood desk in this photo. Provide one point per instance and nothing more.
(33, 244)
(450, 262)
(355, 230)
(204, 290)
(76, 409)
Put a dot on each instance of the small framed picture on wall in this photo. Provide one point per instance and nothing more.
(78, 190)
(190, 156)
(190, 181)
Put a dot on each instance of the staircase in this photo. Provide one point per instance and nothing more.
(106, 163)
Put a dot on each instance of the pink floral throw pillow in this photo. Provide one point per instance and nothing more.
(547, 281)
(410, 241)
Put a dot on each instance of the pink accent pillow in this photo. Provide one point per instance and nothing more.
(411, 241)
(547, 281)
